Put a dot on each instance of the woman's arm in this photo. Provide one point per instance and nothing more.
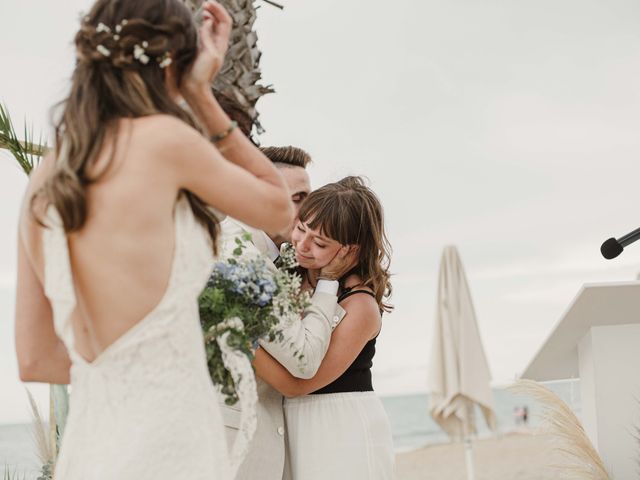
(256, 195)
(306, 341)
(360, 324)
(243, 184)
(42, 357)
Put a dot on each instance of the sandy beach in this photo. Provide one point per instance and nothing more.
(518, 456)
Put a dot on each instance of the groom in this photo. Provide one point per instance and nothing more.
(266, 459)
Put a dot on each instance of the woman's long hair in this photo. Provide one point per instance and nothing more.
(121, 47)
(350, 213)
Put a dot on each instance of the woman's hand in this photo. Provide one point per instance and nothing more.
(213, 44)
(345, 260)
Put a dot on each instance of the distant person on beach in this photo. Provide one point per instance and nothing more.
(517, 415)
(305, 342)
(521, 415)
(337, 427)
(117, 239)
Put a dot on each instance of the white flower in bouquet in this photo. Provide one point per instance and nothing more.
(249, 299)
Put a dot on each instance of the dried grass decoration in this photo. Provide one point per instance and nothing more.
(561, 423)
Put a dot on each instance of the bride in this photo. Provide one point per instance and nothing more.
(116, 242)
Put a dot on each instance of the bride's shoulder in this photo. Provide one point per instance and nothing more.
(163, 130)
(164, 141)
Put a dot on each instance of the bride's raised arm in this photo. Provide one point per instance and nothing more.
(259, 199)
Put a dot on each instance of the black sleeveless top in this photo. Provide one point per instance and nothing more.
(357, 378)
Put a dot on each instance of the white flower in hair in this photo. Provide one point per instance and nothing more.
(102, 28)
(103, 50)
(139, 54)
(164, 61)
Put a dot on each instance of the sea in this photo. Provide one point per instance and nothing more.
(411, 425)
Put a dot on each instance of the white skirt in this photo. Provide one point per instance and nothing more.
(339, 436)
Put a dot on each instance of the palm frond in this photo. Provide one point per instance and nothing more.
(636, 435)
(11, 475)
(27, 152)
(44, 449)
(277, 5)
(237, 86)
(583, 461)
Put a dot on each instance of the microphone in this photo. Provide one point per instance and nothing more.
(611, 248)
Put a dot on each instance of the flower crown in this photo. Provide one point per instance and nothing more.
(139, 49)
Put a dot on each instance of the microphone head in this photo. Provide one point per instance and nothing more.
(611, 249)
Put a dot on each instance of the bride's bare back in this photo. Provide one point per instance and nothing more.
(121, 258)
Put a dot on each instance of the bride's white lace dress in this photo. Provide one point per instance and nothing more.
(146, 407)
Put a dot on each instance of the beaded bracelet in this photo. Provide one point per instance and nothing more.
(221, 136)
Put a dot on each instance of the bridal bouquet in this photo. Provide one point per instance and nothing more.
(247, 299)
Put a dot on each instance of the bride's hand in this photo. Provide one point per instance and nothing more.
(345, 260)
(213, 43)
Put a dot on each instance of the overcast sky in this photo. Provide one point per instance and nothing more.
(507, 128)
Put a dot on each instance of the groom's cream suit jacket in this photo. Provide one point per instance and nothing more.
(267, 457)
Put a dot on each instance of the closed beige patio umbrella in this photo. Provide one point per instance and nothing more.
(458, 372)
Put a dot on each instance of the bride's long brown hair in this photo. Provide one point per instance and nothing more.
(111, 81)
(349, 212)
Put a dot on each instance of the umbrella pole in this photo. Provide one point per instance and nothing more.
(468, 455)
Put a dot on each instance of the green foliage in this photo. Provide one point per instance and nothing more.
(60, 396)
(250, 300)
(46, 472)
(217, 304)
(27, 152)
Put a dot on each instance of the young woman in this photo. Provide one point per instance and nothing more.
(117, 241)
(336, 426)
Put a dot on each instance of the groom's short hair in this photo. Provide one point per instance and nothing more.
(289, 156)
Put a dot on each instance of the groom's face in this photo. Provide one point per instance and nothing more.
(299, 186)
(298, 183)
